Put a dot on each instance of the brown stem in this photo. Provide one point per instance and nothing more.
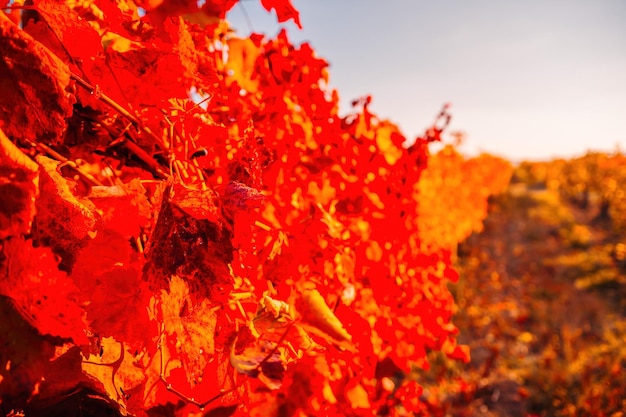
(117, 107)
(54, 154)
(146, 158)
(125, 140)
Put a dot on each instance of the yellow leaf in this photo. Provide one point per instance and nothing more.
(191, 326)
(13, 157)
(115, 369)
(384, 141)
(19, 186)
(356, 395)
(319, 317)
(242, 56)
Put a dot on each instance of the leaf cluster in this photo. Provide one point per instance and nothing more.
(248, 251)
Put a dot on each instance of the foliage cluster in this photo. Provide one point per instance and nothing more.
(252, 254)
(595, 182)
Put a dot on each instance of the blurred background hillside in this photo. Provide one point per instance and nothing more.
(542, 298)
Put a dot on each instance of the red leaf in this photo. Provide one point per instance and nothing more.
(118, 307)
(27, 352)
(109, 275)
(190, 240)
(284, 10)
(35, 100)
(218, 8)
(409, 394)
(124, 208)
(45, 296)
(72, 38)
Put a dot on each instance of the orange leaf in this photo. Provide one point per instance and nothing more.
(385, 136)
(242, 55)
(12, 157)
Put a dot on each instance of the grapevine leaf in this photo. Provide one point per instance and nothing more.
(118, 306)
(189, 240)
(63, 221)
(284, 10)
(45, 296)
(241, 198)
(115, 369)
(258, 358)
(218, 8)
(192, 326)
(63, 32)
(22, 347)
(14, 159)
(35, 100)
(124, 208)
(242, 56)
(356, 395)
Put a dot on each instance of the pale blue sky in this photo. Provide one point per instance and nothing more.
(526, 79)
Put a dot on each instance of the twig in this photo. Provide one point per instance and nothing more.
(130, 145)
(121, 110)
(146, 158)
(124, 139)
(54, 154)
(115, 365)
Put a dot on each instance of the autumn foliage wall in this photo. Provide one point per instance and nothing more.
(255, 254)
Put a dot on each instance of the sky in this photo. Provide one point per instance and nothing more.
(533, 79)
